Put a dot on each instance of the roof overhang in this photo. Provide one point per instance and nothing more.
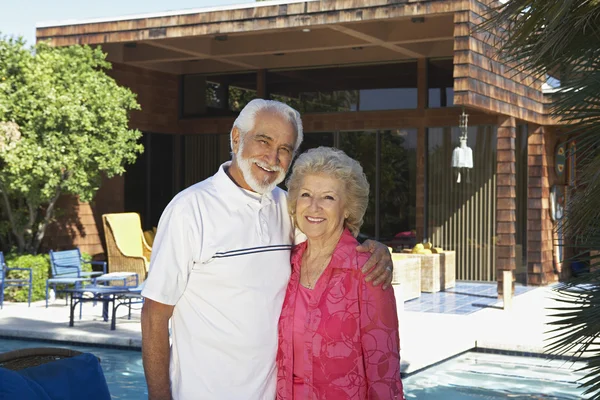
(269, 35)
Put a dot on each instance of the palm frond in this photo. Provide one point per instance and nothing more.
(561, 38)
(575, 327)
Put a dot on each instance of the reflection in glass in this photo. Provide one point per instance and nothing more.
(311, 140)
(217, 95)
(389, 160)
(307, 102)
(398, 187)
(352, 88)
(362, 147)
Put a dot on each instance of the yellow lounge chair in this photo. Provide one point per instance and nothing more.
(126, 246)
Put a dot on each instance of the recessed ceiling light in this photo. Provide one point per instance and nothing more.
(306, 30)
(131, 45)
(417, 20)
(279, 54)
(357, 48)
(221, 38)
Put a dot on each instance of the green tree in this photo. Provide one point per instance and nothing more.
(63, 125)
(560, 38)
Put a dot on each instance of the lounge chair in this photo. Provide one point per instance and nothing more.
(126, 246)
(5, 281)
(66, 270)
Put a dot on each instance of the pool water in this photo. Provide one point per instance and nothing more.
(469, 376)
(122, 368)
(496, 376)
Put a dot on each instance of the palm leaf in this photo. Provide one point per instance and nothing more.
(561, 38)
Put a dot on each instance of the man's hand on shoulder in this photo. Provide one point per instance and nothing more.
(379, 266)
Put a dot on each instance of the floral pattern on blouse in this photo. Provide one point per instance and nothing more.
(351, 340)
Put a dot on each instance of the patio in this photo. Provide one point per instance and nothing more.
(426, 337)
(464, 298)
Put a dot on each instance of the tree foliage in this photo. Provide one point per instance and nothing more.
(561, 38)
(64, 124)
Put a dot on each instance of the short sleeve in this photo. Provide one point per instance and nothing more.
(177, 241)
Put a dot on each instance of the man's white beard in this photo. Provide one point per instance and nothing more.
(246, 167)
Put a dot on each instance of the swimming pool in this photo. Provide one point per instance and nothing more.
(494, 377)
(469, 376)
(122, 368)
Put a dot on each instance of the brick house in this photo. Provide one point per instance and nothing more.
(386, 81)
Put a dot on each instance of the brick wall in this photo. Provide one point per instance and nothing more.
(75, 226)
(79, 224)
(158, 95)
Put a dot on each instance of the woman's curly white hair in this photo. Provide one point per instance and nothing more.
(335, 164)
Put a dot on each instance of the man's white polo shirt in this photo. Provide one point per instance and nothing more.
(222, 258)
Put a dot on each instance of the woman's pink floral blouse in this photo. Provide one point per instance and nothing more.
(351, 343)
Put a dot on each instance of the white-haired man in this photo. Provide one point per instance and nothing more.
(220, 267)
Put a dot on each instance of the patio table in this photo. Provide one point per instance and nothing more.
(114, 295)
(118, 276)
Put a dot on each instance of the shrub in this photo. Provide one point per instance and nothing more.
(40, 268)
(39, 264)
(85, 266)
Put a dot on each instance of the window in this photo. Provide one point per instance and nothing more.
(216, 95)
(389, 159)
(342, 89)
(440, 83)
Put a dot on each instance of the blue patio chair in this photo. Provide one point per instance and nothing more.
(65, 270)
(5, 281)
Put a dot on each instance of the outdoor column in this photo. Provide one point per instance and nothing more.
(261, 84)
(506, 200)
(539, 224)
(421, 149)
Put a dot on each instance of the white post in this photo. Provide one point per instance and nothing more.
(507, 279)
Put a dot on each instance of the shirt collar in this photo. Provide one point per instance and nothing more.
(234, 195)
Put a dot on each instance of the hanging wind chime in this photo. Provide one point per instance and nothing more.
(462, 156)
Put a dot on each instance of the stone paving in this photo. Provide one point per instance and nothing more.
(426, 338)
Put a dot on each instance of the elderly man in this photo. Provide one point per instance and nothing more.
(220, 267)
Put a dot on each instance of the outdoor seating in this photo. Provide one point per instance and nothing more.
(108, 295)
(51, 373)
(24, 358)
(6, 281)
(66, 270)
(126, 246)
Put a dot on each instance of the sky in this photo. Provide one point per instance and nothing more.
(19, 18)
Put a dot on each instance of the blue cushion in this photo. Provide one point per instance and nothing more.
(14, 386)
(73, 378)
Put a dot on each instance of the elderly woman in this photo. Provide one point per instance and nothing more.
(338, 335)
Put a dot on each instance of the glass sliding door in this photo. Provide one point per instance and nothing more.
(461, 202)
(202, 156)
(316, 139)
(362, 146)
(150, 183)
(388, 158)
